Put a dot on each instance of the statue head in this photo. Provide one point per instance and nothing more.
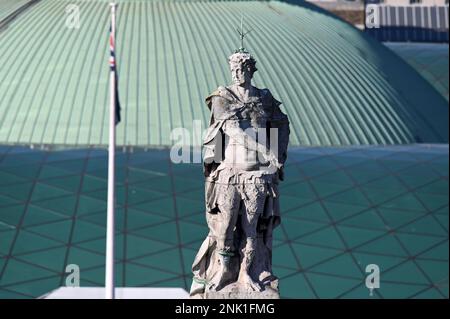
(242, 66)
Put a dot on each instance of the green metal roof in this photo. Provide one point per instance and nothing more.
(429, 59)
(342, 209)
(337, 85)
(8, 7)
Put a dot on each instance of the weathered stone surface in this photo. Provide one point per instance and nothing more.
(234, 291)
(245, 150)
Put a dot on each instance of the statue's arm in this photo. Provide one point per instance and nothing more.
(235, 132)
(213, 152)
(280, 121)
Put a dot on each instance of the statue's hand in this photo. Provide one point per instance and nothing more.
(273, 160)
(281, 173)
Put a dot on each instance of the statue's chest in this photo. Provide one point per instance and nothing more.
(254, 111)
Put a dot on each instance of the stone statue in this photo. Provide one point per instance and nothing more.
(245, 150)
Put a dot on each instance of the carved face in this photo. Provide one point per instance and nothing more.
(241, 74)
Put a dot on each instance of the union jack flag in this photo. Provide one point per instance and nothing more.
(112, 66)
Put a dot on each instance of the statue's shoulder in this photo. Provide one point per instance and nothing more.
(268, 98)
(222, 93)
(265, 92)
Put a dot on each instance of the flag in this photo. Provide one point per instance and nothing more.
(114, 119)
(112, 66)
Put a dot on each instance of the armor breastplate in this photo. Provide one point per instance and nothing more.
(253, 113)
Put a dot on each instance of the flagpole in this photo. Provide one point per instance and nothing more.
(109, 268)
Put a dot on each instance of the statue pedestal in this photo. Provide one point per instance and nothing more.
(235, 291)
